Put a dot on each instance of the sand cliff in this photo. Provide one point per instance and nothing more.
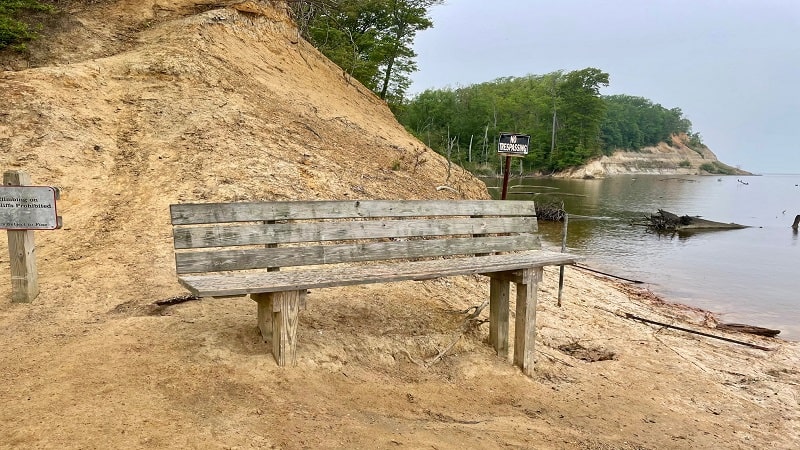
(677, 158)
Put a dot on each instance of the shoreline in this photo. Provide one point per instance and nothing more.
(728, 258)
(712, 318)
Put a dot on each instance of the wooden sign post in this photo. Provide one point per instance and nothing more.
(23, 209)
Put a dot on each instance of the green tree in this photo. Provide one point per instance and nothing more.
(405, 19)
(581, 111)
(635, 122)
(477, 114)
(372, 40)
(15, 31)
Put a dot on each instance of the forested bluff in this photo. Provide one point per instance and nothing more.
(575, 131)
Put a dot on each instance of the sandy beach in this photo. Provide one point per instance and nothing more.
(205, 105)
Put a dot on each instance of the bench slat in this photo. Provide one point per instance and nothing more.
(259, 258)
(201, 213)
(218, 285)
(283, 233)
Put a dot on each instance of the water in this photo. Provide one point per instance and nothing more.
(749, 276)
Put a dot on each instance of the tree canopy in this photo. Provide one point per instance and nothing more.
(561, 111)
(635, 122)
(14, 31)
(567, 118)
(369, 39)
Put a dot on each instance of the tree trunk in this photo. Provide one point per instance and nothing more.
(401, 30)
(388, 74)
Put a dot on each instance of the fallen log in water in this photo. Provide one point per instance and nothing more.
(750, 329)
(667, 221)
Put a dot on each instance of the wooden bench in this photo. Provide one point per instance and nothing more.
(236, 249)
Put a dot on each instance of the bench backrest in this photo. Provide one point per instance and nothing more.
(218, 237)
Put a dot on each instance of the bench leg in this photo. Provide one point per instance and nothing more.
(278, 314)
(525, 332)
(498, 315)
(264, 302)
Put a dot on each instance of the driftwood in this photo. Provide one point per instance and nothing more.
(176, 300)
(446, 188)
(667, 221)
(471, 322)
(553, 212)
(750, 329)
(675, 327)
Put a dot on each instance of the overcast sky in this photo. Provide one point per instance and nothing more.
(732, 66)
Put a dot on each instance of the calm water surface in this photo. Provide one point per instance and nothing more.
(750, 275)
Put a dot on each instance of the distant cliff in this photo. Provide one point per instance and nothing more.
(675, 158)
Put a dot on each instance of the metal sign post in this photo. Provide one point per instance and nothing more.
(23, 209)
(511, 144)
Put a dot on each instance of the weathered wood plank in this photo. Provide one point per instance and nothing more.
(498, 315)
(264, 314)
(285, 317)
(259, 258)
(535, 229)
(248, 283)
(201, 213)
(525, 321)
(24, 274)
(510, 277)
(22, 251)
(286, 233)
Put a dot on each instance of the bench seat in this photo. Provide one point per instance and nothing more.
(239, 284)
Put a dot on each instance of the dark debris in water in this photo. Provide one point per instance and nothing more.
(552, 212)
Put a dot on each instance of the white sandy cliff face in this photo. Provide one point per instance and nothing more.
(663, 159)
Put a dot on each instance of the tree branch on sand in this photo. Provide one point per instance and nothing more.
(470, 323)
